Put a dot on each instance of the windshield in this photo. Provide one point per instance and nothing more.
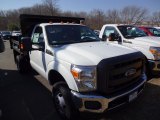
(154, 31)
(131, 31)
(66, 34)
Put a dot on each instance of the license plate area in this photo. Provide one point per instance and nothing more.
(133, 96)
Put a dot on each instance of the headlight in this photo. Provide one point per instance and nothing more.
(85, 77)
(156, 52)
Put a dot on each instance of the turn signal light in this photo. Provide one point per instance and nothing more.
(75, 74)
(21, 46)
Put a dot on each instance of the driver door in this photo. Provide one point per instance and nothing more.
(37, 56)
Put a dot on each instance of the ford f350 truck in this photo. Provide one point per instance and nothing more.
(87, 75)
(133, 37)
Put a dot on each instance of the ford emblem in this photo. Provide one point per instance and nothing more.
(130, 72)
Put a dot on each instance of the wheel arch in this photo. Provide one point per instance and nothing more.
(61, 73)
(54, 76)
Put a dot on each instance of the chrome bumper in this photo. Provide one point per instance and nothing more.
(80, 99)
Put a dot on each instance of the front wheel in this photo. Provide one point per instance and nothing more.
(63, 102)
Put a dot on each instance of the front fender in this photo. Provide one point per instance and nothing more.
(63, 68)
(146, 52)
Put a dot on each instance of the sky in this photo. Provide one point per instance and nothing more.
(84, 5)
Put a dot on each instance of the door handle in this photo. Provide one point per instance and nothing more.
(49, 52)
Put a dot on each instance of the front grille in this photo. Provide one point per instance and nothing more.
(112, 75)
(117, 73)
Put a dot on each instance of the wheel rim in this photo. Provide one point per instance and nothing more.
(60, 103)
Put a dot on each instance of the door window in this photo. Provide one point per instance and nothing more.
(109, 30)
(38, 35)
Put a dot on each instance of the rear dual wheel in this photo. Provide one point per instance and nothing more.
(22, 63)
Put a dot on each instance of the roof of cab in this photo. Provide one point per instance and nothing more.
(46, 24)
(118, 25)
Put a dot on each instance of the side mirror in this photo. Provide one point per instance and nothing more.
(112, 37)
(104, 37)
(115, 37)
(2, 47)
(25, 44)
(119, 39)
(41, 46)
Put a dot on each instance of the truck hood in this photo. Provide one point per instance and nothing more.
(89, 53)
(148, 40)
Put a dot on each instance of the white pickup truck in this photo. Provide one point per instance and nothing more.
(133, 37)
(87, 75)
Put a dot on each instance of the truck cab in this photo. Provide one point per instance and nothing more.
(132, 37)
(87, 75)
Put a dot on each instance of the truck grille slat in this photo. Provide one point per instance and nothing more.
(124, 79)
(137, 65)
(137, 62)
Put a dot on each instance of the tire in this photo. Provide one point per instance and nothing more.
(148, 72)
(22, 64)
(63, 102)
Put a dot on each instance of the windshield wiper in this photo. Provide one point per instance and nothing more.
(89, 40)
(63, 43)
(72, 42)
(129, 36)
(141, 36)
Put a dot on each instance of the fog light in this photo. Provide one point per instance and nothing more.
(93, 105)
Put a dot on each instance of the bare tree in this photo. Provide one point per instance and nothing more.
(11, 17)
(38, 9)
(25, 10)
(3, 20)
(96, 19)
(113, 16)
(155, 18)
(51, 7)
(133, 14)
(7, 18)
(67, 13)
(2, 13)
